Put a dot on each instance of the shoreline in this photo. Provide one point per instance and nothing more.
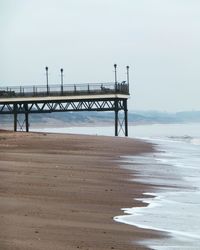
(62, 191)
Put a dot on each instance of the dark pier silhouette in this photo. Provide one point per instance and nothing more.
(67, 98)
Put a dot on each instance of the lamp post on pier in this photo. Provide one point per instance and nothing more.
(115, 67)
(127, 71)
(116, 104)
(47, 79)
(61, 74)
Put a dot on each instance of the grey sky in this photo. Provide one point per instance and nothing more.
(159, 39)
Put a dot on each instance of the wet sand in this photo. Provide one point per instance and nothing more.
(61, 192)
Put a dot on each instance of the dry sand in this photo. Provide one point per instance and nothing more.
(61, 192)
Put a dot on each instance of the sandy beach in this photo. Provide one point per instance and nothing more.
(61, 192)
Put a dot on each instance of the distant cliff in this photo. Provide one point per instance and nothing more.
(95, 118)
(165, 117)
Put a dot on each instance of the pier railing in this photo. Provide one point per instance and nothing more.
(64, 90)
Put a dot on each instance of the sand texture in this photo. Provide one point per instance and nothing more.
(61, 192)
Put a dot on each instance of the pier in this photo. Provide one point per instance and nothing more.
(48, 98)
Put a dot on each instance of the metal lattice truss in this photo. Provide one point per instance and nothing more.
(31, 107)
(61, 106)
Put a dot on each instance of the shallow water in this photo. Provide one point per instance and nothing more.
(175, 208)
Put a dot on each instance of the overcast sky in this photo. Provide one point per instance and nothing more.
(158, 39)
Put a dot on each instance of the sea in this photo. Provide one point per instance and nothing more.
(174, 206)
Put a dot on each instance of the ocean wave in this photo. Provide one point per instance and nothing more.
(186, 138)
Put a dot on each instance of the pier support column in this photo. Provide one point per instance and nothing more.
(15, 117)
(26, 117)
(116, 118)
(126, 117)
